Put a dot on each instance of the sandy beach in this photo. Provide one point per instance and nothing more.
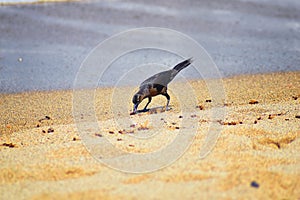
(256, 156)
(56, 143)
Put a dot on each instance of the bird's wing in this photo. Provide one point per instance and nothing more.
(162, 78)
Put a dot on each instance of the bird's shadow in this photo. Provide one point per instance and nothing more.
(154, 110)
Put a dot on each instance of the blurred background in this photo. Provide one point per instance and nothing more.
(43, 44)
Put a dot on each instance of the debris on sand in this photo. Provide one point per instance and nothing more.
(232, 123)
(254, 184)
(131, 131)
(201, 107)
(50, 130)
(144, 126)
(98, 134)
(45, 118)
(259, 118)
(271, 116)
(122, 131)
(253, 101)
(10, 145)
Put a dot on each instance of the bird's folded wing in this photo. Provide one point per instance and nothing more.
(162, 78)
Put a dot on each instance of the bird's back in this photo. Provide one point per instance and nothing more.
(165, 77)
(162, 78)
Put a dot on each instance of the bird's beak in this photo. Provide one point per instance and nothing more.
(135, 107)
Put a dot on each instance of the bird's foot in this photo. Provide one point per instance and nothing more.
(139, 111)
(145, 110)
(167, 108)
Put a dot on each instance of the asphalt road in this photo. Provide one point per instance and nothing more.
(43, 45)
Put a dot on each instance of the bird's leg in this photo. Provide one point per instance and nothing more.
(168, 100)
(149, 100)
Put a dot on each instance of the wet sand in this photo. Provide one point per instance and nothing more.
(256, 156)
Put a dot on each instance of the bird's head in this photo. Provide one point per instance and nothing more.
(136, 100)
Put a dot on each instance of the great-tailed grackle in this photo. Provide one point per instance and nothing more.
(157, 84)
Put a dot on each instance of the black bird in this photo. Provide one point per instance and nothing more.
(157, 84)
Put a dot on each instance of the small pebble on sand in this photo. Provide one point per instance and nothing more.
(253, 101)
(50, 130)
(254, 184)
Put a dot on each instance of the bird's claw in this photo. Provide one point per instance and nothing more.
(167, 109)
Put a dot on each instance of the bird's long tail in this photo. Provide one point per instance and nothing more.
(183, 65)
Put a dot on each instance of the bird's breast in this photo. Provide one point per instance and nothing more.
(153, 91)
